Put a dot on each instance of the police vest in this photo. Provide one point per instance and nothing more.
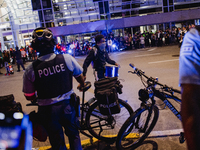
(52, 78)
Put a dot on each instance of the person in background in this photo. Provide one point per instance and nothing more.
(6, 60)
(1, 61)
(189, 80)
(23, 53)
(19, 60)
(12, 55)
(109, 42)
(99, 56)
(51, 76)
(142, 41)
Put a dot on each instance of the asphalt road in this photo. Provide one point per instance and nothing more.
(161, 62)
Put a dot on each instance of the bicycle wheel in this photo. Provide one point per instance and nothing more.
(106, 128)
(132, 133)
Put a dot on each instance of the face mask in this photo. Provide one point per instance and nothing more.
(102, 46)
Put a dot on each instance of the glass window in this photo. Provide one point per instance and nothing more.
(74, 12)
(25, 20)
(126, 14)
(70, 6)
(58, 15)
(85, 11)
(36, 4)
(69, 21)
(66, 13)
(62, 22)
(48, 15)
(93, 17)
(28, 12)
(81, 4)
(77, 20)
(46, 3)
(165, 3)
(89, 3)
(40, 16)
(116, 15)
(20, 12)
(126, 6)
(85, 19)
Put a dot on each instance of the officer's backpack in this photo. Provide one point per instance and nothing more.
(106, 90)
(8, 105)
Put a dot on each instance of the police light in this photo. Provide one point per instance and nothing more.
(70, 51)
(114, 46)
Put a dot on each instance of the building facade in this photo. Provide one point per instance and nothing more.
(69, 19)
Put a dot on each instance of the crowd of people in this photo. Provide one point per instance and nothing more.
(128, 41)
(149, 39)
(113, 43)
(17, 56)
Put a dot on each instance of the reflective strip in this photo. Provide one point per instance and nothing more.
(39, 30)
(29, 94)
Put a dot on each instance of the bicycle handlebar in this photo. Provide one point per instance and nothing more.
(86, 87)
(153, 81)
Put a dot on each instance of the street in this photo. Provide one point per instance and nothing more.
(161, 62)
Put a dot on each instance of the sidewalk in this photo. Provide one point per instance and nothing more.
(159, 143)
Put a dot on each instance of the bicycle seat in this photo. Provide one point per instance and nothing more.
(86, 87)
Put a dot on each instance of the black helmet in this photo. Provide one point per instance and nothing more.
(43, 41)
(42, 34)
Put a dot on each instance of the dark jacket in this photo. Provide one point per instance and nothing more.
(99, 58)
(18, 55)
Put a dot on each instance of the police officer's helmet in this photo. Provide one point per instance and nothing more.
(42, 40)
(42, 34)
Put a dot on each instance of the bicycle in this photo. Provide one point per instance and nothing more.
(102, 127)
(143, 120)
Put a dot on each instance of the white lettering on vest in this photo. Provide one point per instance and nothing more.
(62, 67)
(51, 70)
(46, 73)
(54, 69)
(40, 73)
(57, 68)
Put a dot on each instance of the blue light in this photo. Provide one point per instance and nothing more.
(114, 46)
(69, 51)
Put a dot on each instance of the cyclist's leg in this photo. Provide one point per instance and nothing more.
(70, 123)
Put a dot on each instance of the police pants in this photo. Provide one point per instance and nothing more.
(56, 116)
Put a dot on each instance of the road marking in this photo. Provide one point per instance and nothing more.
(147, 55)
(162, 61)
(153, 134)
(121, 53)
(165, 133)
(152, 49)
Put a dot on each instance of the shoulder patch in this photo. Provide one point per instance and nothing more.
(186, 50)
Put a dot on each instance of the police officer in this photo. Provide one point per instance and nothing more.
(189, 79)
(99, 56)
(51, 77)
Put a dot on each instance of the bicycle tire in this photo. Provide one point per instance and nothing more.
(109, 130)
(136, 136)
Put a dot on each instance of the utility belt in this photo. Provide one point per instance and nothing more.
(75, 102)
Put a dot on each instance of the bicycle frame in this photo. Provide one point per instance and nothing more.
(168, 103)
(163, 95)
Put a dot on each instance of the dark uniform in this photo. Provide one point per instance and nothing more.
(99, 59)
(51, 76)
